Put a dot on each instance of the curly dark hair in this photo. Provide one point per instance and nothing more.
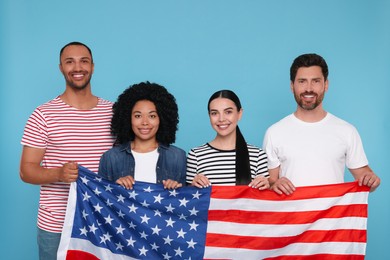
(166, 106)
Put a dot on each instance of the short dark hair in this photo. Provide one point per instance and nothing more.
(243, 171)
(166, 107)
(308, 60)
(76, 43)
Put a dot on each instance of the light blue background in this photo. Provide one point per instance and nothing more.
(195, 48)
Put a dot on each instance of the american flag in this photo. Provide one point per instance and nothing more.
(106, 221)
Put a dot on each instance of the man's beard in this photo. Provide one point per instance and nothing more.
(76, 86)
(309, 106)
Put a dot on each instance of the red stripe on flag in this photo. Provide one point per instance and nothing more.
(333, 190)
(261, 217)
(79, 255)
(317, 256)
(268, 243)
(316, 222)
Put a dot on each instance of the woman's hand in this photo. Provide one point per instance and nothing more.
(126, 182)
(200, 181)
(260, 182)
(171, 184)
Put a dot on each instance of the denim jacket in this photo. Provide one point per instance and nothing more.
(119, 162)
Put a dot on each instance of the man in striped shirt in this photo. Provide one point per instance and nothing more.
(71, 129)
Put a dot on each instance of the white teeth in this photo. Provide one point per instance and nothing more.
(144, 131)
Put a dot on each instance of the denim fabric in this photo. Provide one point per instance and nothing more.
(119, 162)
(48, 243)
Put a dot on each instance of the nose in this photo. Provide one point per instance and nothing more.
(145, 121)
(221, 117)
(77, 66)
(309, 87)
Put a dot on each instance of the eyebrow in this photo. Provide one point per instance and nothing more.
(137, 111)
(228, 108)
(309, 78)
(73, 58)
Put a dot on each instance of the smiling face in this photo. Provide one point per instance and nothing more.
(76, 66)
(144, 121)
(224, 116)
(309, 88)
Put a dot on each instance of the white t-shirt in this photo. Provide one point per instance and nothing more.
(145, 166)
(313, 153)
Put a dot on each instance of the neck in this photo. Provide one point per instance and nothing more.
(141, 146)
(224, 142)
(310, 116)
(79, 98)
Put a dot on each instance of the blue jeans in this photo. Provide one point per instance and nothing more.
(48, 243)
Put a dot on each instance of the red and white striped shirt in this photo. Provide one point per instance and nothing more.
(67, 134)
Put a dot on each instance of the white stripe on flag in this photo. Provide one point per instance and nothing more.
(288, 205)
(67, 229)
(285, 230)
(295, 249)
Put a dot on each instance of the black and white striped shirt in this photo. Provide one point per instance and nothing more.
(219, 166)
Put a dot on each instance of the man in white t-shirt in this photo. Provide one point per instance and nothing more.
(71, 129)
(312, 146)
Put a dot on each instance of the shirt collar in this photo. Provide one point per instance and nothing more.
(127, 147)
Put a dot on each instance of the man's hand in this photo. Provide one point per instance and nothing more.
(69, 172)
(365, 176)
(283, 185)
(31, 170)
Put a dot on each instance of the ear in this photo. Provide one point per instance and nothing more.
(240, 113)
(60, 67)
(326, 85)
(292, 86)
(93, 68)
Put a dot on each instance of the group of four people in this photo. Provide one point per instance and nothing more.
(132, 140)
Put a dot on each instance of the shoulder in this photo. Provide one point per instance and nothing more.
(282, 123)
(53, 107)
(172, 149)
(117, 149)
(175, 148)
(103, 101)
(104, 104)
(253, 149)
(54, 103)
(201, 148)
(339, 123)
(336, 120)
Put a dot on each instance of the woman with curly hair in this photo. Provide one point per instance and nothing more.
(145, 122)
(228, 159)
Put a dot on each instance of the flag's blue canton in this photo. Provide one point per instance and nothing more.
(147, 222)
